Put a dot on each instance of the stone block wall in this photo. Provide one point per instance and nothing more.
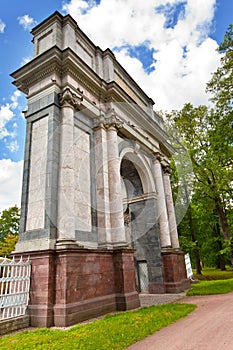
(72, 285)
(14, 324)
(175, 276)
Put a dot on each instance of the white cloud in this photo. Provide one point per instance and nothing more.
(7, 114)
(14, 99)
(2, 26)
(184, 55)
(25, 60)
(13, 146)
(10, 183)
(26, 22)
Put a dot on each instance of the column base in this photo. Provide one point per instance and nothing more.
(156, 288)
(175, 276)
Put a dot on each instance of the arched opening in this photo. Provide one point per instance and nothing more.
(141, 227)
(131, 179)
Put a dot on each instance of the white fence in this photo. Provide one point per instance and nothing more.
(14, 287)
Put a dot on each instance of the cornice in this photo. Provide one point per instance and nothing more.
(140, 120)
(131, 83)
(68, 62)
(55, 17)
(37, 69)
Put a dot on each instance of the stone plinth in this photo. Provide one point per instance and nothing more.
(156, 288)
(73, 285)
(175, 276)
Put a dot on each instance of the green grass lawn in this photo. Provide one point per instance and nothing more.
(215, 274)
(213, 281)
(116, 331)
(211, 287)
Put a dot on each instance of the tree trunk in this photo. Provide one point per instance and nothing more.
(193, 235)
(223, 223)
(221, 261)
(222, 219)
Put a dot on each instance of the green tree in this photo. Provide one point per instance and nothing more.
(207, 134)
(7, 245)
(211, 157)
(221, 86)
(9, 229)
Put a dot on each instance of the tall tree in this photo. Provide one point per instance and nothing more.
(221, 86)
(211, 155)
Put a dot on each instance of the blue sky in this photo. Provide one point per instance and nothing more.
(169, 47)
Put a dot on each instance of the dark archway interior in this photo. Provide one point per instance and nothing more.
(131, 179)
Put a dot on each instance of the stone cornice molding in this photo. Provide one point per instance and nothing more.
(107, 122)
(37, 69)
(69, 99)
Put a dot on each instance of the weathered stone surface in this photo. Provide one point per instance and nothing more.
(14, 324)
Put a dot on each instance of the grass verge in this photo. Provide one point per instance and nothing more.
(215, 274)
(211, 287)
(113, 332)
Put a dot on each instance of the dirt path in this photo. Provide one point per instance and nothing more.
(209, 327)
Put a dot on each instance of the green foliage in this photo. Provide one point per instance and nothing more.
(186, 244)
(9, 229)
(207, 134)
(9, 222)
(116, 331)
(7, 245)
(211, 287)
(201, 129)
(221, 86)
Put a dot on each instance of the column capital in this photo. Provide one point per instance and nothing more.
(167, 170)
(67, 98)
(157, 157)
(108, 121)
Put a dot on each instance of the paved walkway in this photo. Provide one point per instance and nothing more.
(209, 327)
(157, 299)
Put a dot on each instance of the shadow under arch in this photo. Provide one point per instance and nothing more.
(140, 218)
(142, 167)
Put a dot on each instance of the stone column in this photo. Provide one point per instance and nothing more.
(162, 208)
(102, 186)
(170, 209)
(65, 219)
(114, 180)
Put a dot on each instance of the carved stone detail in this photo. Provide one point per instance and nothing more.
(137, 147)
(67, 98)
(167, 170)
(157, 157)
(108, 121)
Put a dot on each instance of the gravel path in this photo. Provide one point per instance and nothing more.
(209, 327)
(157, 299)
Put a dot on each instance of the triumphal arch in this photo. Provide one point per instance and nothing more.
(97, 214)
